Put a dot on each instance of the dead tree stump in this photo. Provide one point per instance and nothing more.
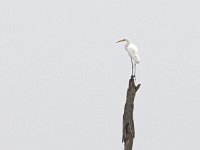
(128, 122)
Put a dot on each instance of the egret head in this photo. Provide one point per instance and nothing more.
(125, 41)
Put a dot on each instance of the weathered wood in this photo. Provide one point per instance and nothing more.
(128, 122)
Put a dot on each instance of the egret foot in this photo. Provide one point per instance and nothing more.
(133, 77)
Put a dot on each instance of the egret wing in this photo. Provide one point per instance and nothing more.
(134, 47)
(133, 52)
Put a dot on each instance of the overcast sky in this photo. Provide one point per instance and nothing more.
(63, 79)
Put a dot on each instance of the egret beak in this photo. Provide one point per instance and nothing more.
(120, 41)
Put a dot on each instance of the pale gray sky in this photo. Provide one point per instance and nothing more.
(63, 79)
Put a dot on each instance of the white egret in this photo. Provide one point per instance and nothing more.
(132, 51)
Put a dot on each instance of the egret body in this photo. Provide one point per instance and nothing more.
(132, 51)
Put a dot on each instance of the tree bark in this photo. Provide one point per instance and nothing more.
(128, 122)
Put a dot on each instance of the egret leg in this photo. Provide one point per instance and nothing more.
(135, 71)
(132, 66)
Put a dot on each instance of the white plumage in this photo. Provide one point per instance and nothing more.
(132, 51)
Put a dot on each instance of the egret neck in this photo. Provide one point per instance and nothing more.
(126, 43)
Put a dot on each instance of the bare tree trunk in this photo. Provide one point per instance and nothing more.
(128, 123)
